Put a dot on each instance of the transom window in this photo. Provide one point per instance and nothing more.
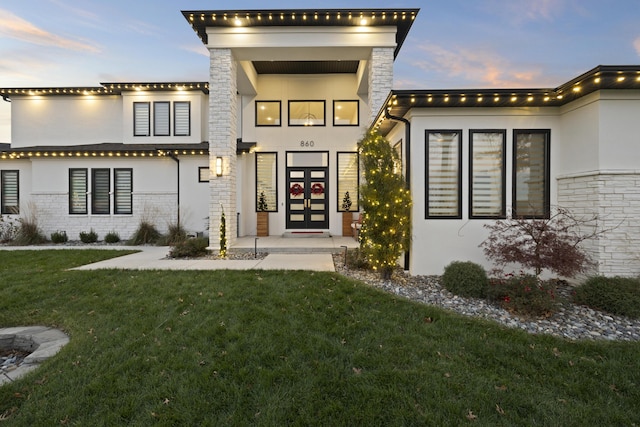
(345, 113)
(268, 113)
(306, 113)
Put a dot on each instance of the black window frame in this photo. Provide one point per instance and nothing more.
(355, 199)
(503, 195)
(268, 101)
(357, 123)
(459, 180)
(259, 190)
(155, 118)
(117, 208)
(324, 112)
(85, 211)
(175, 118)
(547, 173)
(9, 209)
(140, 132)
(100, 195)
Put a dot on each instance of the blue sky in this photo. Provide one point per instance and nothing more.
(452, 44)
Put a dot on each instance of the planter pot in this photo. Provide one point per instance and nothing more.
(347, 219)
(263, 224)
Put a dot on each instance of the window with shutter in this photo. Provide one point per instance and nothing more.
(161, 120)
(141, 119)
(78, 191)
(182, 118)
(531, 175)
(123, 191)
(487, 174)
(267, 179)
(100, 186)
(9, 189)
(444, 177)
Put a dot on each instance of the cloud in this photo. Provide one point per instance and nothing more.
(14, 27)
(480, 68)
(199, 48)
(636, 45)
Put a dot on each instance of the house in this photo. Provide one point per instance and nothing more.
(289, 95)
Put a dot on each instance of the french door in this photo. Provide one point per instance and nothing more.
(307, 198)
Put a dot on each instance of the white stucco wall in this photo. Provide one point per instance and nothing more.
(284, 138)
(65, 120)
(437, 242)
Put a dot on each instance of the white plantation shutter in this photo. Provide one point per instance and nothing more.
(487, 174)
(443, 174)
(141, 118)
(77, 191)
(10, 192)
(531, 180)
(123, 190)
(348, 179)
(182, 118)
(267, 179)
(161, 119)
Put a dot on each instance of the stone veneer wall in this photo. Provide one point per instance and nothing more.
(380, 79)
(615, 197)
(52, 209)
(223, 117)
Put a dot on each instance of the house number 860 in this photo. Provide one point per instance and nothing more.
(307, 143)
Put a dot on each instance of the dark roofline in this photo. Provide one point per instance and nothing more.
(107, 149)
(402, 19)
(115, 88)
(609, 77)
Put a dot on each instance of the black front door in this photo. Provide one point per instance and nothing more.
(307, 201)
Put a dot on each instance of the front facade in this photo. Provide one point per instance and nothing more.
(289, 95)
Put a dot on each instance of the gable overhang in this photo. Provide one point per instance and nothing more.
(603, 77)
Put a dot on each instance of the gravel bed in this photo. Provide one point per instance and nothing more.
(574, 322)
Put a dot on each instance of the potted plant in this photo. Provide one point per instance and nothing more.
(263, 215)
(347, 216)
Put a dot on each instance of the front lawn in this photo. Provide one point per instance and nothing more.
(295, 348)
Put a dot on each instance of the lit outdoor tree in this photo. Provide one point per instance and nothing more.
(386, 202)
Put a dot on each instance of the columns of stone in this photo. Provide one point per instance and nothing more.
(223, 117)
(380, 78)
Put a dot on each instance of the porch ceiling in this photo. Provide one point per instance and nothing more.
(305, 67)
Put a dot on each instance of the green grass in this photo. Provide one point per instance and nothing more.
(296, 348)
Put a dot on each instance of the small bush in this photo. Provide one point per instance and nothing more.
(145, 234)
(8, 229)
(357, 259)
(88, 236)
(112, 237)
(175, 235)
(59, 237)
(525, 295)
(190, 248)
(29, 233)
(466, 279)
(615, 295)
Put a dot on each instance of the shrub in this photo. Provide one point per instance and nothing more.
(615, 295)
(29, 233)
(465, 279)
(145, 234)
(112, 237)
(59, 237)
(190, 248)
(357, 259)
(524, 294)
(88, 236)
(8, 229)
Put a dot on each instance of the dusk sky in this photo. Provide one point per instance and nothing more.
(453, 44)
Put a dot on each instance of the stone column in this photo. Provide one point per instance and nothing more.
(380, 78)
(223, 118)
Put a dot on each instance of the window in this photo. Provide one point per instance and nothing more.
(531, 173)
(203, 173)
(487, 174)
(267, 179)
(306, 113)
(161, 120)
(348, 173)
(123, 191)
(182, 118)
(100, 186)
(78, 191)
(268, 113)
(345, 113)
(141, 119)
(9, 189)
(444, 177)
